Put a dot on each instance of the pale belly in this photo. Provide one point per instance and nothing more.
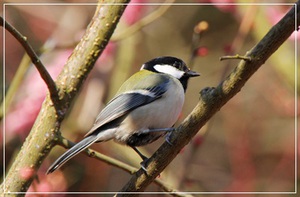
(162, 113)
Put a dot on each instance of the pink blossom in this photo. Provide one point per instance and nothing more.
(48, 183)
(202, 51)
(32, 92)
(26, 173)
(29, 99)
(133, 12)
(198, 140)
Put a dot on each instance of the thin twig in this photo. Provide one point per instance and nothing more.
(198, 32)
(143, 22)
(94, 154)
(121, 165)
(35, 60)
(15, 84)
(244, 29)
(42, 137)
(238, 57)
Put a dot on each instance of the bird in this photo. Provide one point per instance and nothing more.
(145, 108)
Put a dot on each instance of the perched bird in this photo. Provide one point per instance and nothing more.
(145, 108)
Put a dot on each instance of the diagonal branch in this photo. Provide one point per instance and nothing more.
(35, 60)
(44, 133)
(121, 165)
(212, 99)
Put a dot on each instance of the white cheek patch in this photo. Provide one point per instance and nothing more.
(171, 70)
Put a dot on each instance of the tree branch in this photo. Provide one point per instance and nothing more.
(94, 154)
(45, 131)
(212, 99)
(35, 60)
(237, 57)
(118, 164)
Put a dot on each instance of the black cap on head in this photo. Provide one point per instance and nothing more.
(165, 60)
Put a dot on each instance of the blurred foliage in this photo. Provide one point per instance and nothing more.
(250, 143)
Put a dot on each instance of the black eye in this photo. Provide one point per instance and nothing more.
(178, 65)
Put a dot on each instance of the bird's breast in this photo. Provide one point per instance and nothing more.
(161, 113)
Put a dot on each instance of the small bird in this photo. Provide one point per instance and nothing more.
(144, 109)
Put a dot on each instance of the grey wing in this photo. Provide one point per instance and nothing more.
(126, 102)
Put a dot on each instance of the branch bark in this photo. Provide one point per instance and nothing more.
(123, 166)
(212, 99)
(45, 132)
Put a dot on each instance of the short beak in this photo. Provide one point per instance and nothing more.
(191, 73)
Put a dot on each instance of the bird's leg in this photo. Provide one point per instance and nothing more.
(146, 131)
(168, 130)
(144, 158)
(167, 138)
(139, 153)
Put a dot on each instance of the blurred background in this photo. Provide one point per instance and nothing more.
(248, 146)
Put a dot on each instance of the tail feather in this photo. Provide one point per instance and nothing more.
(77, 148)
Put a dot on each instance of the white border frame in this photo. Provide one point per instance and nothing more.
(151, 4)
